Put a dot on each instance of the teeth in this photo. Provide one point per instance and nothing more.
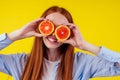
(51, 39)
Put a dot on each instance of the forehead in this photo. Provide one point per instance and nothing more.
(57, 18)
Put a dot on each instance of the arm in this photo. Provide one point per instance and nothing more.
(77, 41)
(107, 54)
(96, 66)
(5, 39)
(26, 31)
(105, 63)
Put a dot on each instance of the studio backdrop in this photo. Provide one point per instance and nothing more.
(98, 21)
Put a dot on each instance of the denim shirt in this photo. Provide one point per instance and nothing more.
(85, 66)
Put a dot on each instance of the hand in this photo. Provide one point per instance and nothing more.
(76, 38)
(26, 31)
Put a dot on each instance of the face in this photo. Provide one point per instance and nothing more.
(57, 19)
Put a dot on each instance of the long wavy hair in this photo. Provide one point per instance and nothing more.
(34, 64)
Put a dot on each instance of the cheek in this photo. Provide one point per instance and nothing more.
(45, 41)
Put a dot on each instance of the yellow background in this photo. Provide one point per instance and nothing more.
(98, 21)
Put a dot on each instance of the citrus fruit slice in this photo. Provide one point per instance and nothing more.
(46, 28)
(62, 33)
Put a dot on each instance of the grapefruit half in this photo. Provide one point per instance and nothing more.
(46, 28)
(62, 33)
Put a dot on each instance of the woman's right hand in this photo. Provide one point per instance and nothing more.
(27, 30)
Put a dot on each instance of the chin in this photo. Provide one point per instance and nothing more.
(51, 47)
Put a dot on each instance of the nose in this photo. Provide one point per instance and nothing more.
(53, 35)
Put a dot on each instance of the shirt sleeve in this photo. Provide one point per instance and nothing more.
(105, 63)
(4, 41)
(12, 64)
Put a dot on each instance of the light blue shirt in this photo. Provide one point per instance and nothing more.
(85, 66)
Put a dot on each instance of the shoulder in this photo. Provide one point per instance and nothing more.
(82, 62)
(84, 58)
(12, 63)
(14, 57)
(80, 55)
(79, 58)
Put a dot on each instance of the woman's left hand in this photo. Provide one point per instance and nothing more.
(76, 38)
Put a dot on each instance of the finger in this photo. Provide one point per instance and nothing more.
(71, 26)
(46, 19)
(39, 19)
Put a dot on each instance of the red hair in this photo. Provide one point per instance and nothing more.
(34, 65)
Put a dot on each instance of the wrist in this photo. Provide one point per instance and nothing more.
(13, 35)
(83, 45)
(90, 48)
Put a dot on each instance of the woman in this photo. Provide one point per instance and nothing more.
(53, 60)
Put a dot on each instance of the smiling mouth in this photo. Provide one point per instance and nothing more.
(52, 39)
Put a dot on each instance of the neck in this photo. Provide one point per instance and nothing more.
(53, 54)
